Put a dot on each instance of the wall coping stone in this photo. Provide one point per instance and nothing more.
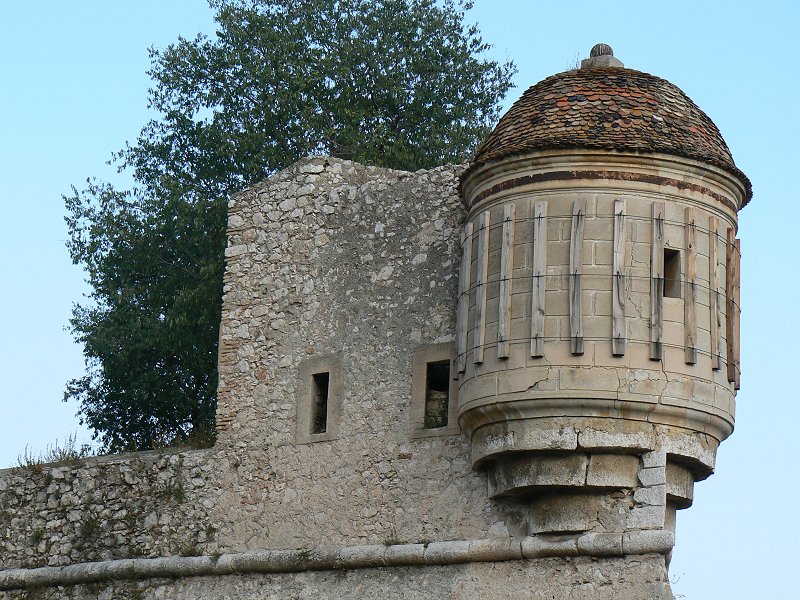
(103, 459)
(350, 557)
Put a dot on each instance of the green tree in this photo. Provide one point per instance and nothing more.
(395, 83)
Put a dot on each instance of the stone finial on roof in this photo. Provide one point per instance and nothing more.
(601, 55)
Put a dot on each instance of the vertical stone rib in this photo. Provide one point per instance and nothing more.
(690, 299)
(737, 299)
(575, 271)
(462, 319)
(713, 292)
(732, 306)
(506, 268)
(479, 334)
(539, 276)
(657, 282)
(618, 334)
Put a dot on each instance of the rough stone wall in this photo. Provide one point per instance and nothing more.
(143, 505)
(325, 258)
(582, 578)
(334, 258)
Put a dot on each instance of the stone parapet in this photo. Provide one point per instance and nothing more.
(136, 505)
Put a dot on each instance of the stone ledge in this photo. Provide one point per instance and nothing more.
(352, 557)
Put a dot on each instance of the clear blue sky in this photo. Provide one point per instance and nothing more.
(74, 90)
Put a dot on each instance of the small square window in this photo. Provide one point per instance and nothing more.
(437, 394)
(319, 398)
(672, 273)
(319, 406)
(433, 391)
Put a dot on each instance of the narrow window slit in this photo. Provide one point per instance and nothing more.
(319, 407)
(672, 273)
(437, 394)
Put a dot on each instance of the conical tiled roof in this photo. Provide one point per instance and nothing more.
(610, 108)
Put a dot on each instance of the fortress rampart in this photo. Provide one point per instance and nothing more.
(273, 506)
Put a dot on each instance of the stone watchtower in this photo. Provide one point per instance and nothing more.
(495, 381)
(598, 312)
(492, 381)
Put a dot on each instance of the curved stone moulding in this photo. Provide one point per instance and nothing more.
(567, 434)
(350, 557)
(588, 170)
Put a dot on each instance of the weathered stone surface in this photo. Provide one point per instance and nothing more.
(612, 470)
(647, 517)
(652, 476)
(516, 475)
(653, 496)
(641, 542)
(601, 544)
(680, 484)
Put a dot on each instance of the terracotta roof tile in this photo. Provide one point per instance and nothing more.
(608, 108)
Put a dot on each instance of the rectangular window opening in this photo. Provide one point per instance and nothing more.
(437, 394)
(319, 406)
(672, 273)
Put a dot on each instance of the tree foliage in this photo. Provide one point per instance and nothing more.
(395, 83)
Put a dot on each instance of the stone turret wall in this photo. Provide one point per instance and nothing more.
(598, 321)
(671, 389)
